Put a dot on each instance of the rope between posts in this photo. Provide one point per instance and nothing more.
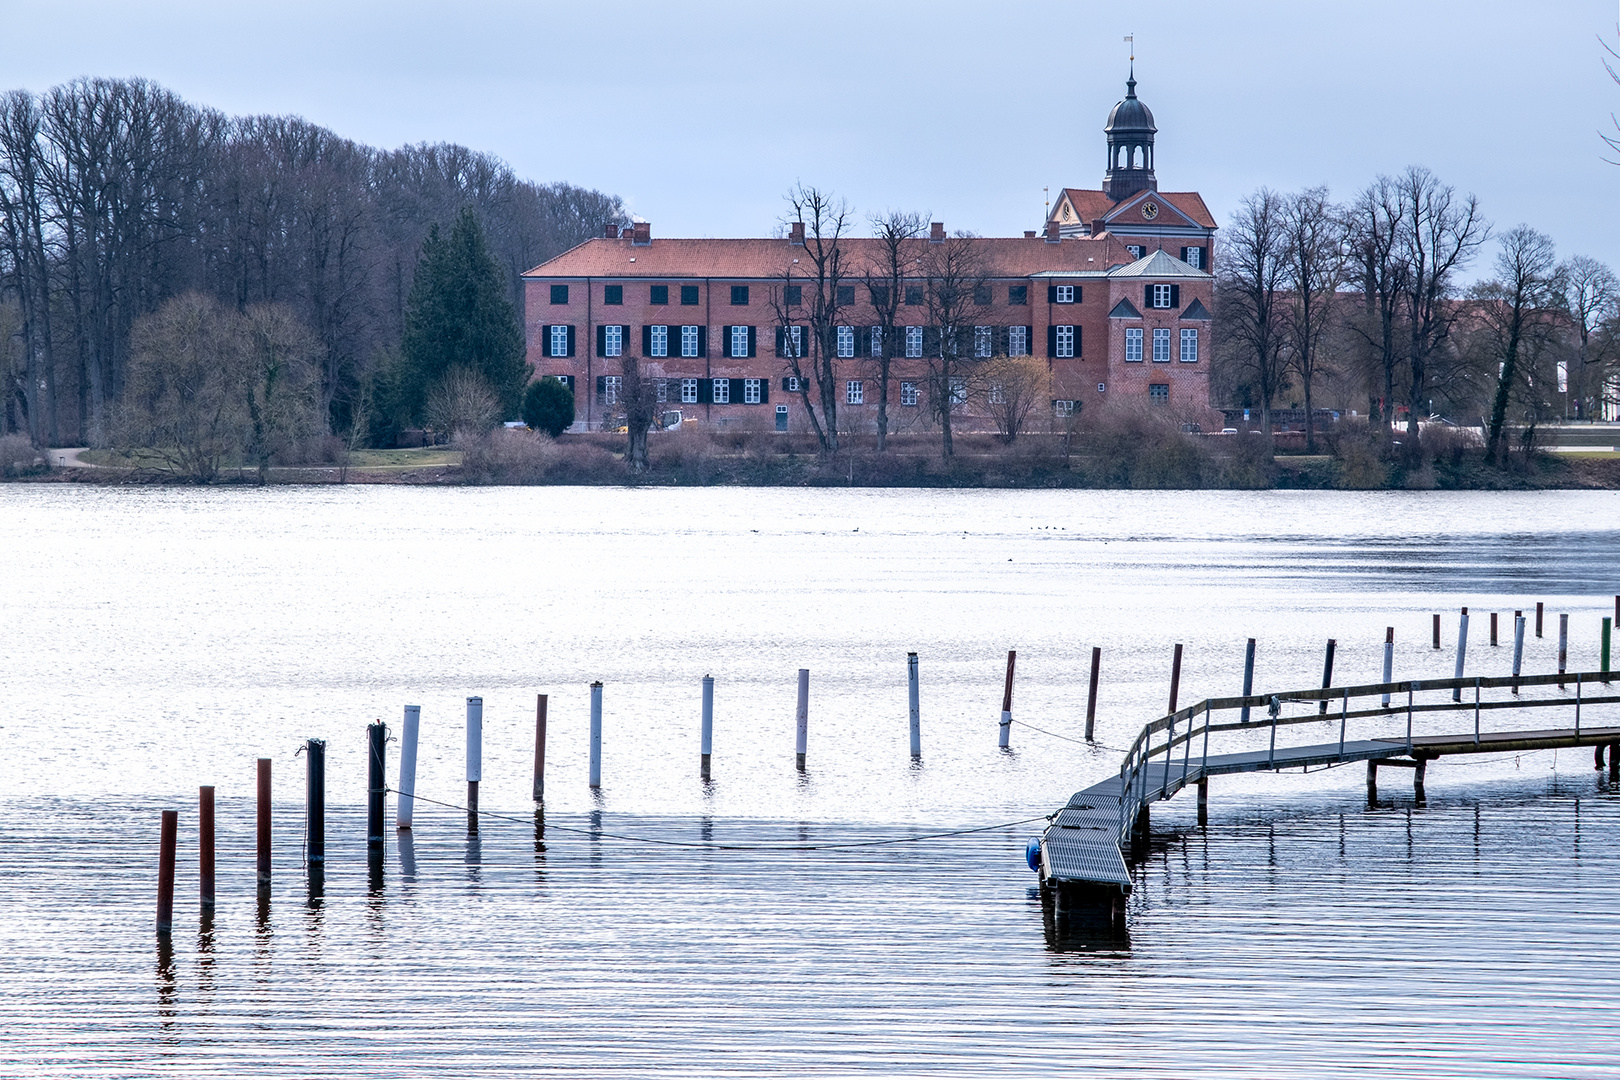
(711, 846)
(1065, 738)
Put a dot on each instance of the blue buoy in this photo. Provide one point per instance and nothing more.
(1032, 854)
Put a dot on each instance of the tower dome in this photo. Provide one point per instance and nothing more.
(1130, 132)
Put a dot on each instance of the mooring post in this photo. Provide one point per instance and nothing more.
(1476, 710)
(915, 701)
(1091, 696)
(540, 748)
(264, 823)
(801, 720)
(205, 848)
(1389, 659)
(706, 735)
(1372, 781)
(1175, 679)
(1462, 652)
(1006, 701)
(315, 801)
(166, 842)
(1248, 676)
(405, 812)
(1437, 629)
(1417, 778)
(1518, 648)
(1563, 646)
(1203, 800)
(1493, 628)
(1327, 672)
(475, 759)
(1614, 763)
(1603, 648)
(596, 734)
(1539, 606)
(376, 786)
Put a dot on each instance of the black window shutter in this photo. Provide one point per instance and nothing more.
(703, 341)
(1051, 341)
(545, 341)
(1184, 254)
(705, 391)
(1078, 353)
(601, 341)
(784, 384)
(1203, 259)
(725, 341)
(646, 341)
(601, 385)
(751, 342)
(764, 391)
(1079, 293)
(1175, 296)
(1147, 295)
(1029, 340)
(781, 341)
(570, 341)
(1051, 294)
(736, 394)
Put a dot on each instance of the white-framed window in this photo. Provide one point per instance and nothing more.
(984, 341)
(877, 341)
(846, 341)
(914, 340)
(662, 389)
(739, 341)
(794, 384)
(613, 341)
(610, 388)
(1195, 257)
(1065, 294)
(751, 391)
(559, 341)
(722, 391)
(854, 392)
(1063, 408)
(1159, 393)
(689, 341)
(908, 393)
(958, 392)
(659, 340)
(1135, 250)
(792, 340)
(688, 391)
(1065, 340)
(1161, 296)
(1133, 344)
(1161, 345)
(1017, 341)
(1189, 345)
(997, 395)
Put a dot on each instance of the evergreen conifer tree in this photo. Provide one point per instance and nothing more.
(458, 315)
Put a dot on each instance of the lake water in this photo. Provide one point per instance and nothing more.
(158, 639)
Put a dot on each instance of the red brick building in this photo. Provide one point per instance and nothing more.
(1114, 296)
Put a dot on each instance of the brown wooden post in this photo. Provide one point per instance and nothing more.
(1614, 763)
(1006, 701)
(1437, 629)
(166, 843)
(264, 822)
(1203, 800)
(205, 847)
(1539, 606)
(540, 748)
(1493, 628)
(1091, 697)
(1175, 677)
(1372, 781)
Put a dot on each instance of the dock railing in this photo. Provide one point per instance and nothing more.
(1151, 770)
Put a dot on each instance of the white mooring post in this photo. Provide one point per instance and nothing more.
(707, 740)
(1389, 659)
(407, 766)
(475, 759)
(802, 718)
(1462, 651)
(916, 709)
(1006, 702)
(596, 734)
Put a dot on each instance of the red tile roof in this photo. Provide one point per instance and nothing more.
(1004, 257)
(1094, 205)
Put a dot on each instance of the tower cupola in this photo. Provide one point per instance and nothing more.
(1130, 134)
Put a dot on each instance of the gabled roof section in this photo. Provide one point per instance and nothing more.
(1197, 310)
(1124, 310)
(1129, 213)
(1159, 265)
(1088, 206)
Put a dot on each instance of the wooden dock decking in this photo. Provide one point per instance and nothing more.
(1083, 851)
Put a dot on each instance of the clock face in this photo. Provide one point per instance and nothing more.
(1150, 210)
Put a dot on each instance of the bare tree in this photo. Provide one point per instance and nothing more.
(1374, 225)
(813, 292)
(462, 404)
(1592, 297)
(283, 382)
(954, 279)
(1250, 300)
(1314, 254)
(638, 397)
(1518, 306)
(1014, 386)
(894, 260)
(1439, 234)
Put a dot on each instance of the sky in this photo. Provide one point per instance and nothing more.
(701, 115)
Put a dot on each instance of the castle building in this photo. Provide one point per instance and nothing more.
(1113, 296)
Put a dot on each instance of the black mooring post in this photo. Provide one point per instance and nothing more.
(1248, 676)
(315, 800)
(376, 787)
(1327, 671)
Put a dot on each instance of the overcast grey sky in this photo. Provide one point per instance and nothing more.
(701, 114)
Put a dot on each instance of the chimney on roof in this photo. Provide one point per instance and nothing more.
(610, 231)
(641, 234)
(1029, 234)
(796, 234)
(1052, 234)
(936, 233)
